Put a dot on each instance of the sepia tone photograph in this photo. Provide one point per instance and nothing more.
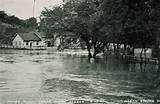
(79, 51)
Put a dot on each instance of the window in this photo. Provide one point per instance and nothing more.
(31, 44)
(27, 43)
(37, 43)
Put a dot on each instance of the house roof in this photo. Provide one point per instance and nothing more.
(40, 34)
(31, 36)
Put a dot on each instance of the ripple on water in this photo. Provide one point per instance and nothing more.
(3, 71)
(65, 78)
(77, 88)
(3, 86)
(7, 61)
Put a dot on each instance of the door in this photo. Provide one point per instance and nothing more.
(31, 44)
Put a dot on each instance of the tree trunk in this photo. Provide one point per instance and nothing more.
(88, 49)
(141, 55)
(95, 50)
(89, 53)
(145, 55)
(94, 55)
(114, 47)
(98, 47)
(118, 48)
(125, 49)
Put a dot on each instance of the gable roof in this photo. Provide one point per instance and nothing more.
(31, 36)
(40, 34)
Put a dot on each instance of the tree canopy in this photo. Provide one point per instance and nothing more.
(9, 25)
(100, 22)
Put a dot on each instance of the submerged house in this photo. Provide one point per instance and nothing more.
(25, 40)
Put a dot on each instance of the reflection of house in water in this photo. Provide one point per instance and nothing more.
(31, 39)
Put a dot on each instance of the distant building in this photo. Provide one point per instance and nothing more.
(148, 52)
(30, 39)
(67, 40)
(57, 41)
(44, 38)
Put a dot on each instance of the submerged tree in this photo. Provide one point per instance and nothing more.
(77, 17)
(134, 21)
(99, 22)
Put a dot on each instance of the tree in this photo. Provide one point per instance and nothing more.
(75, 17)
(99, 22)
(3, 16)
(132, 21)
(31, 23)
(9, 25)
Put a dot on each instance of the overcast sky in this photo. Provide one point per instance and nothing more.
(24, 8)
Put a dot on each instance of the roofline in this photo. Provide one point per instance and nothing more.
(25, 40)
(31, 40)
(37, 36)
(14, 36)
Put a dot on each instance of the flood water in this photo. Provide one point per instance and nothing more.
(41, 77)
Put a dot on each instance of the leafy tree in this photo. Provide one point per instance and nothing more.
(3, 15)
(132, 22)
(75, 17)
(31, 23)
(100, 22)
(9, 25)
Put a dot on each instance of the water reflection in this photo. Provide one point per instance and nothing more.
(41, 75)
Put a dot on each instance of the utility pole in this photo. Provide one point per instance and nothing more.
(34, 2)
(2, 3)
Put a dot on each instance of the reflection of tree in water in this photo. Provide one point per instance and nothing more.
(156, 83)
(142, 66)
(149, 76)
(105, 79)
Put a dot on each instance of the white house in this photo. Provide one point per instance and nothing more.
(24, 40)
(137, 52)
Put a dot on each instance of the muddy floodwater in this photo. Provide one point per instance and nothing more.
(42, 77)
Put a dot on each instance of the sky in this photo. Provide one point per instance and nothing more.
(24, 8)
